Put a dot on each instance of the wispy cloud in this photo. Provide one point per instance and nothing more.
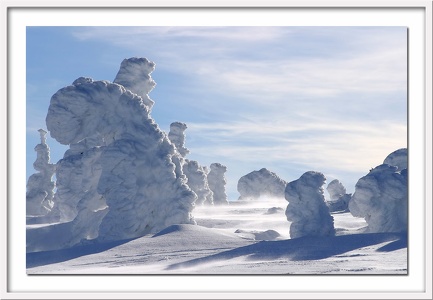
(317, 145)
(326, 98)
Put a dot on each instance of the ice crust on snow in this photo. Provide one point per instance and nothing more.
(307, 211)
(134, 168)
(217, 183)
(40, 187)
(262, 183)
(381, 196)
(339, 199)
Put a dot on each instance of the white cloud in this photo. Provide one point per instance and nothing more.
(319, 145)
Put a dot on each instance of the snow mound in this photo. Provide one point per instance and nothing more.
(40, 187)
(307, 209)
(397, 158)
(381, 198)
(268, 235)
(217, 183)
(260, 183)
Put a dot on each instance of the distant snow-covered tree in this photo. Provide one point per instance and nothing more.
(262, 183)
(198, 181)
(339, 199)
(177, 137)
(40, 186)
(217, 183)
(307, 211)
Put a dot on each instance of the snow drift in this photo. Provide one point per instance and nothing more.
(307, 209)
(381, 197)
(262, 183)
(40, 187)
(134, 164)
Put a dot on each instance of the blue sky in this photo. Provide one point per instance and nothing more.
(291, 99)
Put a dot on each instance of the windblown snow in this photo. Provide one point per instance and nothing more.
(126, 199)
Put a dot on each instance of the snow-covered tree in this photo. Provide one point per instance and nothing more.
(307, 211)
(198, 182)
(217, 183)
(262, 183)
(339, 199)
(139, 171)
(40, 186)
(381, 198)
(78, 174)
(177, 137)
(194, 172)
(398, 159)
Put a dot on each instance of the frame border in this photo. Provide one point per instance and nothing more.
(209, 4)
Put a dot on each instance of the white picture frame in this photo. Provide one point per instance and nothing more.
(15, 284)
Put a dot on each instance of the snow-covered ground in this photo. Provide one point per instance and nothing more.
(241, 238)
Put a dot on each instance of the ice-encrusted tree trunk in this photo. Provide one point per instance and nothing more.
(307, 209)
(262, 183)
(217, 183)
(40, 186)
(138, 178)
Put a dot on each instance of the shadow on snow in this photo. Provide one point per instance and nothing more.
(36, 259)
(305, 248)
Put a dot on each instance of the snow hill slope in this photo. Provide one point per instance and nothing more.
(227, 240)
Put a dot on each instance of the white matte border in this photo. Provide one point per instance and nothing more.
(416, 15)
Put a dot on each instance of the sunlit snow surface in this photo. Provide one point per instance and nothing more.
(242, 238)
